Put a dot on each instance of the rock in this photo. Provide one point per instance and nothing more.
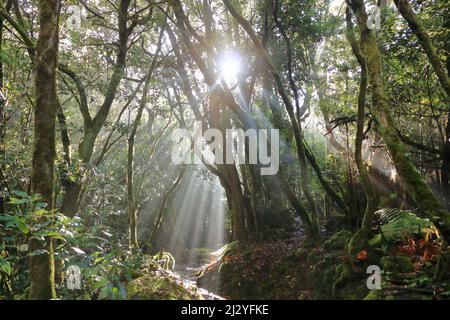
(396, 264)
(152, 287)
(338, 241)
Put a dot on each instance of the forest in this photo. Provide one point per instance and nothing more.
(224, 150)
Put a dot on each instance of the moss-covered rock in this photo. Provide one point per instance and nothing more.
(338, 240)
(153, 287)
(342, 274)
(396, 264)
(374, 295)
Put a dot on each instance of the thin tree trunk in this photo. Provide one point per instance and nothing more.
(362, 169)
(304, 179)
(132, 203)
(42, 174)
(419, 30)
(2, 121)
(162, 206)
(65, 138)
(371, 198)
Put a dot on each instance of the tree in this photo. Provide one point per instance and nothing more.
(418, 190)
(42, 174)
(443, 75)
(132, 202)
(371, 197)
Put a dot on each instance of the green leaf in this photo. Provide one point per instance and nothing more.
(40, 205)
(52, 234)
(23, 247)
(15, 221)
(5, 267)
(18, 201)
(21, 225)
(99, 259)
(20, 194)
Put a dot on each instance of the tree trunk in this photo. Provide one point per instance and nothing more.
(42, 174)
(2, 122)
(362, 169)
(162, 206)
(132, 202)
(445, 169)
(304, 178)
(416, 26)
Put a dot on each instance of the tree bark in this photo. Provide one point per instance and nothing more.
(42, 174)
(362, 169)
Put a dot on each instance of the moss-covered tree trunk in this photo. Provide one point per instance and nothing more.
(42, 174)
(424, 39)
(416, 187)
(445, 169)
(2, 125)
(371, 198)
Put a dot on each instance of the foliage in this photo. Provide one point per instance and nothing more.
(105, 266)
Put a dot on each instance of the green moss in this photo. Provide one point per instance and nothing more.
(373, 295)
(338, 240)
(151, 287)
(343, 273)
(396, 264)
(357, 242)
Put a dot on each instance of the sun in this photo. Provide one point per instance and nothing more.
(229, 65)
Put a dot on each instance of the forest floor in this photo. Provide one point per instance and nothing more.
(292, 269)
(406, 251)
